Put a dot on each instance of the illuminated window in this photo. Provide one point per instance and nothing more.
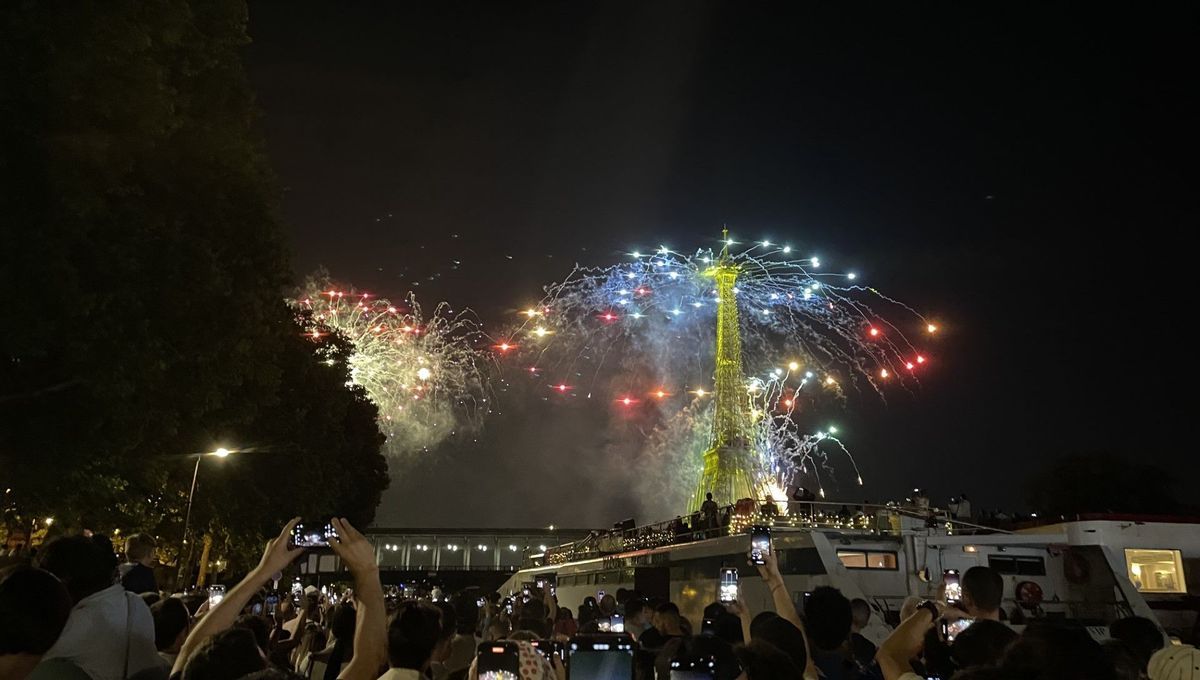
(857, 559)
(1155, 571)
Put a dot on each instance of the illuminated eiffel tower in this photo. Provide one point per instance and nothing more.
(730, 468)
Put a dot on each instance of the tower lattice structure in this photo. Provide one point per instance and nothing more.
(730, 464)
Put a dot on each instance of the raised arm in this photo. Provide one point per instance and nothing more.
(906, 641)
(276, 556)
(784, 605)
(370, 632)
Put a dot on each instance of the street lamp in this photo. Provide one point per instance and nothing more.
(185, 566)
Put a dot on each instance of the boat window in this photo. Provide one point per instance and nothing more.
(1155, 571)
(867, 559)
(1022, 565)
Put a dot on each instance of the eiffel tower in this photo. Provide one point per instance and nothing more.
(730, 470)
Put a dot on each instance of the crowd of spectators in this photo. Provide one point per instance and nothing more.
(77, 613)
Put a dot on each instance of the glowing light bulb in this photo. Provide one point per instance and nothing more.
(794, 366)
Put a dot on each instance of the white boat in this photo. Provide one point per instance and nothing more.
(1076, 571)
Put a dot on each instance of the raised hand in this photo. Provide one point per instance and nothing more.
(277, 555)
(355, 551)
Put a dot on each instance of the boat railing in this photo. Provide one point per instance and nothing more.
(867, 519)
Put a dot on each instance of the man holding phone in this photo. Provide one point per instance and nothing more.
(982, 592)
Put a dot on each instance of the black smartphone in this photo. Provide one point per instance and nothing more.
(728, 588)
(272, 601)
(953, 585)
(312, 536)
(499, 660)
(616, 623)
(951, 629)
(601, 657)
(760, 544)
(548, 648)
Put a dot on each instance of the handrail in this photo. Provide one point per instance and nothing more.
(734, 519)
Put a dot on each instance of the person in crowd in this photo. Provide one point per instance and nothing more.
(464, 642)
(763, 661)
(137, 574)
(312, 640)
(862, 649)
(666, 625)
(829, 619)
(982, 644)
(708, 513)
(110, 632)
(982, 592)
(1142, 636)
(783, 635)
(565, 626)
(769, 509)
(215, 629)
(258, 626)
(448, 626)
(327, 663)
(1123, 661)
(34, 606)
(963, 511)
(637, 617)
(171, 625)
(411, 639)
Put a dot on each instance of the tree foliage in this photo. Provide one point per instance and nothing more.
(145, 269)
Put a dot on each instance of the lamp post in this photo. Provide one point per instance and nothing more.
(185, 564)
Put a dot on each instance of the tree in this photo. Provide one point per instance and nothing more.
(145, 271)
(1101, 482)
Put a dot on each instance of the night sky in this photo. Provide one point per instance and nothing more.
(1016, 175)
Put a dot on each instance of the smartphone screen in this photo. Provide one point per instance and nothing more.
(953, 586)
(272, 603)
(760, 544)
(215, 595)
(499, 661)
(952, 629)
(312, 536)
(616, 623)
(728, 589)
(256, 609)
(601, 658)
(547, 648)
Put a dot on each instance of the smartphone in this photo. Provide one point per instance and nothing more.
(508, 607)
(526, 589)
(616, 623)
(215, 595)
(304, 536)
(728, 590)
(952, 629)
(272, 603)
(600, 595)
(760, 544)
(500, 660)
(693, 668)
(256, 609)
(601, 657)
(480, 602)
(547, 648)
(953, 587)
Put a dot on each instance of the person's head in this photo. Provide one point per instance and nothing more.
(785, 636)
(622, 595)
(1123, 660)
(982, 644)
(637, 614)
(763, 661)
(608, 605)
(412, 636)
(341, 622)
(230, 653)
(860, 614)
(257, 626)
(466, 612)
(85, 564)
(827, 616)
(34, 606)
(139, 548)
(1047, 651)
(1174, 662)
(1141, 635)
(171, 623)
(982, 591)
(666, 619)
(708, 496)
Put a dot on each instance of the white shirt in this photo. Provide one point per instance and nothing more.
(401, 674)
(95, 637)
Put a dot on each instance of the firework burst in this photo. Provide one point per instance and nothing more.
(641, 335)
(425, 374)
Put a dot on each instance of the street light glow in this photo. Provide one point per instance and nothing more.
(221, 452)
